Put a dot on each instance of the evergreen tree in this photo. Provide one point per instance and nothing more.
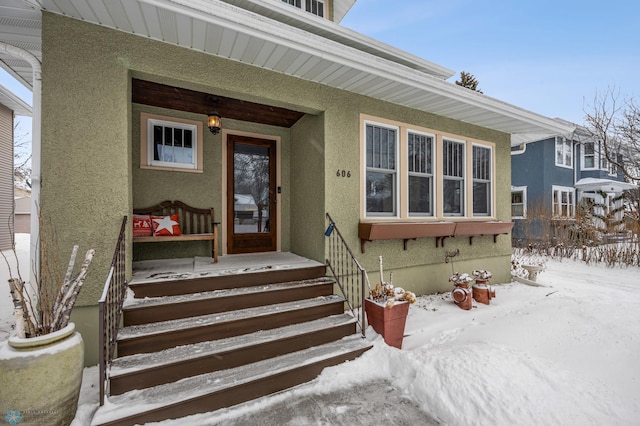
(469, 81)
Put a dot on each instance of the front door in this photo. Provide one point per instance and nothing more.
(251, 195)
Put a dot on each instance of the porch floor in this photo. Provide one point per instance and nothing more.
(145, 271)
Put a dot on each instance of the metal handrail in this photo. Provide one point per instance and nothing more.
(110, 309)
(347, 271)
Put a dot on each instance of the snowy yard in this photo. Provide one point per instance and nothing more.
(563, 354)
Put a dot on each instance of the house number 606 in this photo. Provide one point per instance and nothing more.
(344, 173)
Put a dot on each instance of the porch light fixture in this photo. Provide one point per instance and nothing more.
(214, 121)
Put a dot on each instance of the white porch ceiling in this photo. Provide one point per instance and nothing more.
(320, 51)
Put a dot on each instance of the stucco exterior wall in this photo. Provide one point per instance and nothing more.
(308, 186)
(90, 153)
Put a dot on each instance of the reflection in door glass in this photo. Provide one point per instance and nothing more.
(251, 189)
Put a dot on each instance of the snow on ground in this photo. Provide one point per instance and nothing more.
(563, 354)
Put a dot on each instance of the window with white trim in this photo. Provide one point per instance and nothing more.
(482, 177)
(563, 202)
(381, 174)
(589, 155)
(564, 152)
(453, 177)
(610, 167)
(170, 144)
(519, 202)
(420, 170)
(315, 7)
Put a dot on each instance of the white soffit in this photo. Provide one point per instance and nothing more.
(20, 25)
(282, 12)
(224, 30)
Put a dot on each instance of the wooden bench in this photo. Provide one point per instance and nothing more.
(196, 224)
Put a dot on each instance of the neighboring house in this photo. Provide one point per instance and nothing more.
(22, 214)
(351, 126)
(10, 106)
(553, 178)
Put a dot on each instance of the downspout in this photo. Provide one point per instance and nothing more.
(36, 143)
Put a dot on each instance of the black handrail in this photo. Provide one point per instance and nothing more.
(347, 271)
(110, 307)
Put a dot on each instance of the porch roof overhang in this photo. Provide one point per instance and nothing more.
(606, 185)
(222, 29)
(14, 103)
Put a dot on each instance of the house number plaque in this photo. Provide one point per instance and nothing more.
(343, 173)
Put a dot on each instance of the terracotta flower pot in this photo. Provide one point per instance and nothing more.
(40, 377)
(388, 322)
(462, 297)
(483, 293)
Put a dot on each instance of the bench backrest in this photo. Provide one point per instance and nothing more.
(192, 220)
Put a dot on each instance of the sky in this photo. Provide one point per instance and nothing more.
(550, 57)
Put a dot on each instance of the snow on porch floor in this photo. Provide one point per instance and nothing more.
(198, 267)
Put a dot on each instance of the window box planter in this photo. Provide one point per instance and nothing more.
(474, 229)
(372, 231)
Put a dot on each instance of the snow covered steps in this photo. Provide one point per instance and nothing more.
(154, 309)
(150, 369)
(200, 344)
(212, 391)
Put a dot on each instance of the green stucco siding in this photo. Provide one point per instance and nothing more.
(90, 148)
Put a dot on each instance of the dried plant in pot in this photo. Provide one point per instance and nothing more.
(462, 280)
(482, 276)
(42, 363)
(387, 308)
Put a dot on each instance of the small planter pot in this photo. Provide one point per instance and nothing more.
(462, 297)
(388, 322)
(483, 293)
(41, 377)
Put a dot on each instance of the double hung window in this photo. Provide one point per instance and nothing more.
(519, 202)
(411, 173)
(563, 202)
(481, 180)
(564, 152)
(589, 155)
(420, 161)
(382, 174)
(453, 177)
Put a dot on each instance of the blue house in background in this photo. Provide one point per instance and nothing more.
(553, 178)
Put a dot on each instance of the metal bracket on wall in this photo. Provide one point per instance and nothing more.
(451, 254)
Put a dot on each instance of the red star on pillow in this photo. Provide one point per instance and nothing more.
(166, 225)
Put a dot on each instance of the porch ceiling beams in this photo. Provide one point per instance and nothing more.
(176, 98)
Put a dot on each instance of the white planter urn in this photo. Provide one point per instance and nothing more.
(40, 378)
